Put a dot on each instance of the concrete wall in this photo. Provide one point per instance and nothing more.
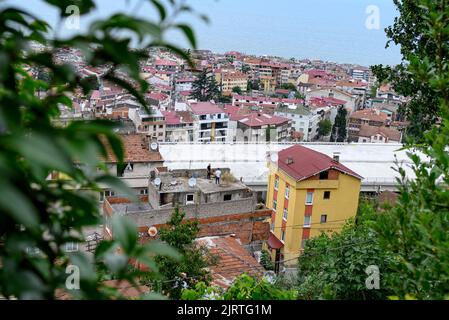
(161, 216)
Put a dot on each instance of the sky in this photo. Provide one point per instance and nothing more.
(330, 30)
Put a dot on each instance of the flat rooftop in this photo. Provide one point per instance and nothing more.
(172, 184)
(374, 162)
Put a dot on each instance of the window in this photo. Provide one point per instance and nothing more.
(272, 227)
(323, 218)
(227, 197)
(109, 193)
(285, 214)
(275, 204)
(287, 192)
(307, 221)
(143, 191)
(324, 175)
(71, 247)
(276, 183)
(121, 169)
(189, 198)
(283, 235)
(309, 198)
(161, 126)
(327, 195)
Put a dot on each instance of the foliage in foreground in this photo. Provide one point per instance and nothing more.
(334, 266)
(38, 217)
(411, 32)
(192, 267)
(244, 287)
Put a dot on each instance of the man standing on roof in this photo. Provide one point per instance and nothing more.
(209, 172)
(217, 176)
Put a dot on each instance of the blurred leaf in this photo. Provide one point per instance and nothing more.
(119, 186)
(18, 205)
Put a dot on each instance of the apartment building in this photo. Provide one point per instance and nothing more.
(373, 134)
(302, 120)
(370, 117)
(309, 193)
(229, 80)
(139, 160)
(243, 100)
(179, 126)
(210, 122)
(228, 208)
(153, 124)
(261, 127)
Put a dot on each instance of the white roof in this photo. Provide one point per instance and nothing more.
(374, 162)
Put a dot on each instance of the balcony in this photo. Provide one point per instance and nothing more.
(319, 184)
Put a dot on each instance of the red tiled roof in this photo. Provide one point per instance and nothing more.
(370, 114)
(326, 101)
(173, 117)
(157, 96)
(234, 260)
(307, 163)
(136, 150)
(390, 133)
(202, 108)
(164, 62)
(262, 119)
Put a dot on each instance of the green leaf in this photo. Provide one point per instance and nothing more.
(18, 206)
(162, 248)
(188, 32)
(118, 185)
(125, 232)
(40, 149)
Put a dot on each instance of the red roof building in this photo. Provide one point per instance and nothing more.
(301, 163)
(203, 108)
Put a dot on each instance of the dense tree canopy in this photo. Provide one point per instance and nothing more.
(205, 87)
(339, 128)
(410, 32)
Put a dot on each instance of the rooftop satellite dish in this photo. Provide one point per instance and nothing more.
(274, 157)
(152, 231)
(157, 181)
(154, 146)
(270, 276)
(192, 182)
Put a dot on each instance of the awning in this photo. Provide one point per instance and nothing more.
(273, 242)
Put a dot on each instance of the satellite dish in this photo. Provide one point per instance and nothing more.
(192, 182)
(152, 231)
(157, 181)
(274, 157)
(270, 276)
(154, 146)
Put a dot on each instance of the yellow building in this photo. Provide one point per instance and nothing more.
(229, 80)
(309, 193)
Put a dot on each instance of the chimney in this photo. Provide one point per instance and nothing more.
(336, 156)
(289, 160)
